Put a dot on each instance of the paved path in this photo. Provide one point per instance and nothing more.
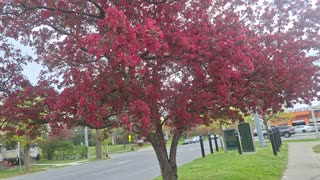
(303, 163)
(63, 164)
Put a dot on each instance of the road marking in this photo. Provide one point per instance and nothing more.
(122, 162)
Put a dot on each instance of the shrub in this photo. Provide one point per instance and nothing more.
(65, 150)
(48, 148)
(62, 149)
(81, 151)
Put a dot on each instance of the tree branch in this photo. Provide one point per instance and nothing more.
(156, 1)
(64, 11)
(102, 13)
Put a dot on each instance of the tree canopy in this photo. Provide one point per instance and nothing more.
(141, 64)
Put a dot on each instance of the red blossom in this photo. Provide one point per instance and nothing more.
(132, 63)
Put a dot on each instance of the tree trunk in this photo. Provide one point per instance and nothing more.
(98, 144)
(167, 162)
(26, 157)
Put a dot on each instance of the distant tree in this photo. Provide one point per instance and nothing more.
(278, 118)
(282, 118)
(22, 116)
(78, 136)
(101, 135)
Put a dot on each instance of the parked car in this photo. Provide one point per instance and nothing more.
(303, 128)
(187, 141)
(313, 126)
(196, 139)
(212, 136)
(264, 133)
(286, 130)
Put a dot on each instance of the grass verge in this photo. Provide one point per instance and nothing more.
(316, 149)
(232, 166)
(43, 165)
(301, 140)
(118, 148)
(15, 171)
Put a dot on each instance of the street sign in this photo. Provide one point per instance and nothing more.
(129, 138)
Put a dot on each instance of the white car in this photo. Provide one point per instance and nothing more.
(196, 139)
(187, 141)
(264, 133)
(303, 128)
(314, 127)
(212, 136)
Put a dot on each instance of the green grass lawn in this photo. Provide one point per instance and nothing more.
(302, 140)
(232, 166)
(316, 149)
(118, 148)
(15, 171)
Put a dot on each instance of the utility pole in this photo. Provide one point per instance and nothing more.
(314, 122)
(259, 130)
(86, 140)
(19, 156)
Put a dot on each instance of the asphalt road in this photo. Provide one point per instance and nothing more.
(310, 135)
(140, 165)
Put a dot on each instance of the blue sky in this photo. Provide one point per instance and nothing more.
(32, 71)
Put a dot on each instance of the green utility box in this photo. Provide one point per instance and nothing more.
(246, 137)
(230, 139)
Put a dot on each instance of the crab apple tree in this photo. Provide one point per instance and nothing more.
(23, 115)
(148, 63)
(26, 109)
(11, 63)
(285, 72)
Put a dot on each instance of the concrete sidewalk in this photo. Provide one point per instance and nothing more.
(303, 163)
(63, 164)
